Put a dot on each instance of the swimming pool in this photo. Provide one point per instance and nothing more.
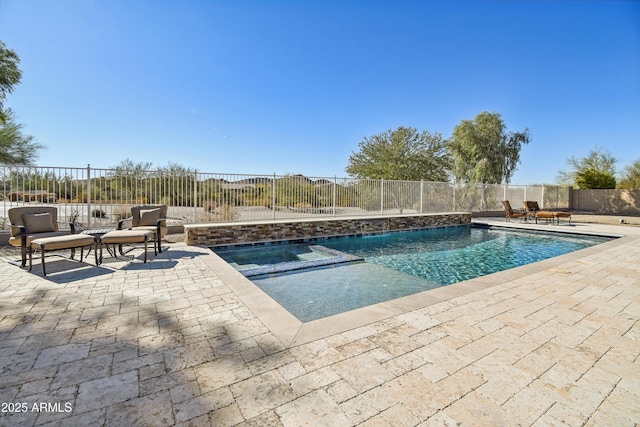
(306, 281)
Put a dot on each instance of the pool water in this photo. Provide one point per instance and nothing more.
(383, 267)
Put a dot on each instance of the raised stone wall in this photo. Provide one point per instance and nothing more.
(249, 232)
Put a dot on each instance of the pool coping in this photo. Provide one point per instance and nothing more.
(292, 332)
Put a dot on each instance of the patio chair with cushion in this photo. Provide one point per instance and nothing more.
(35, 222)
(148, 217)
(511, 213)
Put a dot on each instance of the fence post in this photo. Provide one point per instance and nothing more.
(88, 195)
(195, 195)
(421, 191)
(454, 196)
(273, 195)
(334, 195)
(382, 196)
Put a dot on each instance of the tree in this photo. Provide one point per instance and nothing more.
(10, 76)
(597, 170)
(592, 179)
(15, 147)
(484, 151)
(401, 154)
(631, 176)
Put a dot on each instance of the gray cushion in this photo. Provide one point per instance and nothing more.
(38, 223)
(149, 217)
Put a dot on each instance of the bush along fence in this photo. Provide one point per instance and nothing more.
(95, 197)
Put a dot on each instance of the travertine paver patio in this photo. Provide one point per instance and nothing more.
(181, 341)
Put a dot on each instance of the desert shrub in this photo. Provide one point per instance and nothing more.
(223, 212)
(98, 213)
(122, 212)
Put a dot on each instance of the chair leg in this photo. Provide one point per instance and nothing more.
(23, 253)
(44, 271)
(30, 257)
(145, 248)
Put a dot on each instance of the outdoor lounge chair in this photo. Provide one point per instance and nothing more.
(533, 211)
(511, 214)
(148, 217)
(34, 222)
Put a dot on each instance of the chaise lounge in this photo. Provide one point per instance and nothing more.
(533, 211)
(510, 212)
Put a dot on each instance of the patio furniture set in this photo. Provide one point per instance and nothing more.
(36, 228)
(532, 212)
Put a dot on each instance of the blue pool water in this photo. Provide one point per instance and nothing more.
(331, 276)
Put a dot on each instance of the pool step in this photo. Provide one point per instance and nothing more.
(337, 258)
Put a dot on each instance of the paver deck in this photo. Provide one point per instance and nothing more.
(184, 340)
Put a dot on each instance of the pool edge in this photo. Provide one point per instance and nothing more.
(292, 332)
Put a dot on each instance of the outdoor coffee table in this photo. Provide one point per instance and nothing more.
(97, 234)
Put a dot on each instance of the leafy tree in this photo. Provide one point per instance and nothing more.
(484, 151)
(16, 148)
(631, 176)
(129, 177)
(10, 76)
(401, 154)
(598, 168)
(593, 178)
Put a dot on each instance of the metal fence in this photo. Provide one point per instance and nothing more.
(98, 197)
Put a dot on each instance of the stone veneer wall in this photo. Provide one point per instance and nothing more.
(249, 232)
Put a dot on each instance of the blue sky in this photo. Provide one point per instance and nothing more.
(294, 86)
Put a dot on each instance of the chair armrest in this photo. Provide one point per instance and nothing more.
(71, 225)
(121, 222)
(160, 220)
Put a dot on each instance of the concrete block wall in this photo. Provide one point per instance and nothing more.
(260, 231)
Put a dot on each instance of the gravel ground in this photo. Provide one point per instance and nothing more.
(606, 219)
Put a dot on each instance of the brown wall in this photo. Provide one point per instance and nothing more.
(622, 202)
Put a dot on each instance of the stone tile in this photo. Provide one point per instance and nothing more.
(221, 372)
(341, 391)
(151, 410)
(316, 409)
(369, 404)
(188, 356)
(185, 392)
(226, 417)
(194, 408)
(475, 409)
(313, 381)
(362, 372)
(61, 354)
(316, 355)
(82, 371)
(104, 392)
(262, 393)
(399, 416)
